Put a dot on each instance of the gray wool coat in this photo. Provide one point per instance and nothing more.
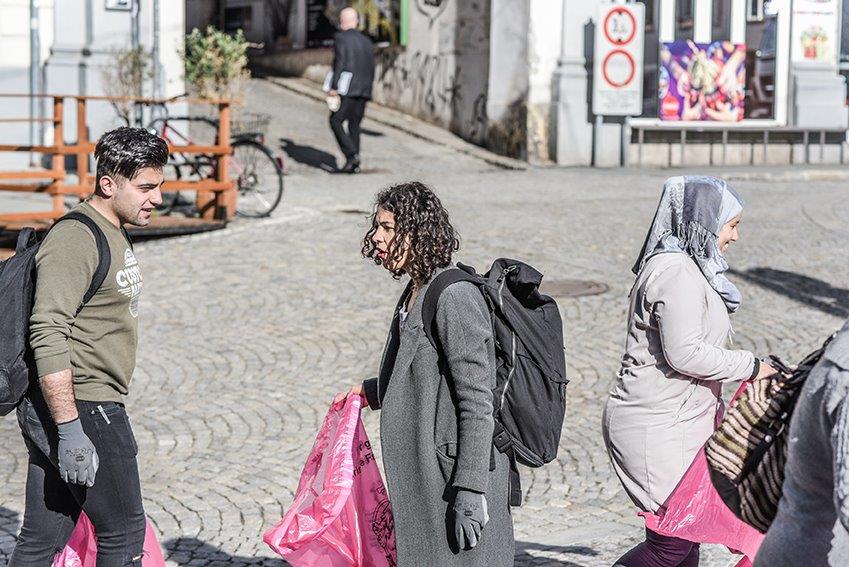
(812, 524)
(436, 431)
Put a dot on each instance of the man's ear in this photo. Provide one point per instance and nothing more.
(107, 186)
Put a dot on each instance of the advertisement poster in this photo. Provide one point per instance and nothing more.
(702, 81)
(815, 31)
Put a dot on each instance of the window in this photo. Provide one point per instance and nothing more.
(755, 10)
(844, 35)
(721, 20)
(684, 10)
(239, 18)
(650, 15)
(684, 19)
(761, 66)
(650, 49)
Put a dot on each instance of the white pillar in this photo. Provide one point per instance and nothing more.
(574, 131)
(703, 21)
(782, 60)
(738, 21)
(667, 20)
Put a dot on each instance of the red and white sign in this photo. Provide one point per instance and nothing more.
(618, 60)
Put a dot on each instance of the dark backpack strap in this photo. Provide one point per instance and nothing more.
(431, 299)
(105, 256)
(129, 240)
(502, 442)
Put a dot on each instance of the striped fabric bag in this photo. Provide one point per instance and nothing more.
(747, 454)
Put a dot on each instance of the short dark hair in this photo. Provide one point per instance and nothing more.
(124, 151)
(420, 215)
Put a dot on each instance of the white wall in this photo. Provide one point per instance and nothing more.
(14, 70)
(441, 75)
(14, 34)
(86, 41)
(171, 43)
(508, 78)
(545, 29)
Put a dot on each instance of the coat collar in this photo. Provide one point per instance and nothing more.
(409, 337)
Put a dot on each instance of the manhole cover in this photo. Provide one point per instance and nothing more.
(572, 288)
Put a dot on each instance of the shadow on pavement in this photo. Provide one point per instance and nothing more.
(523, 555)
(308, 155)
(191, 551)
(9, 524)
(367, 132)
(804, 289)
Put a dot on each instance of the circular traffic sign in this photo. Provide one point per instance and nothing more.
(620, 30)
(618, 68)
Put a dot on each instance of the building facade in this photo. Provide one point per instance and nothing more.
(791, 93)
(516, 76)
(64, 47)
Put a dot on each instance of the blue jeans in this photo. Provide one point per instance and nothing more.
(113, 504)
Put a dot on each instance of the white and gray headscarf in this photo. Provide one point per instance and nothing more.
(692, 211)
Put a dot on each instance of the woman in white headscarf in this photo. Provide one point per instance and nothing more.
(663, 404)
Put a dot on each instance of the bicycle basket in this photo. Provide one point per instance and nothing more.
(250, 123)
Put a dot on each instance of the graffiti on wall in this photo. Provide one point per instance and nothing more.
(432, 9)
(447, 83)
(429, 80)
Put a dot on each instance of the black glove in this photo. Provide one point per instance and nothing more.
(470, 516)
(77, 455)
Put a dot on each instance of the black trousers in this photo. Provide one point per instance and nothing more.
(350, 111)
(113, 504)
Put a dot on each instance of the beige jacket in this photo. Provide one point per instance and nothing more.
(663, 404)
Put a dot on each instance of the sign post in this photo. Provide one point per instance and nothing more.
(618, 67)
(618, 60)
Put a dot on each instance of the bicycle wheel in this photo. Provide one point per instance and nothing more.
(258, 177)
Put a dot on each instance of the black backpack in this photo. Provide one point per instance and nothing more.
(529, 399)
(17, 291)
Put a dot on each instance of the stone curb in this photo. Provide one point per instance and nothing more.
(412, 126)
(841, 174)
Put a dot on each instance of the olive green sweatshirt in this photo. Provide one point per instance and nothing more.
(99, 343)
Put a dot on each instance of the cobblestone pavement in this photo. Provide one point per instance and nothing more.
(247, 333)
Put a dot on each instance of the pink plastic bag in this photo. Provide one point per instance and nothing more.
(341, 515)
(81, 550)
(695, 512)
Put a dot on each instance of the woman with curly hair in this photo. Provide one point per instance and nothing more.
(448, 488)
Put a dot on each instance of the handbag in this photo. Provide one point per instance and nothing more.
(746, 455)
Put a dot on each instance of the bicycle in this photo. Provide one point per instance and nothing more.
(258, 174)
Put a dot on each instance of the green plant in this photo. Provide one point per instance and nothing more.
(125, 76)
(216, 63)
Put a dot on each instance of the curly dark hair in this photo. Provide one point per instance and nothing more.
(421, 218)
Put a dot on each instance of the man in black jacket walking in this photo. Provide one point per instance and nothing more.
(353, 73)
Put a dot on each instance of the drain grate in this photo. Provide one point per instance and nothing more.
(572, 288)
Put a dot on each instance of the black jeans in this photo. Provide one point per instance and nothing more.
(351, 110)
(113, 504)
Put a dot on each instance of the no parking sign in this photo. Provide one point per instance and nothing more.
(618, 60)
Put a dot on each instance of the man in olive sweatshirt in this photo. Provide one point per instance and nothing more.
(82, 452)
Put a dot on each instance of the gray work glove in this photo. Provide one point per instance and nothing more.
(77, 455)
(470, 516)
